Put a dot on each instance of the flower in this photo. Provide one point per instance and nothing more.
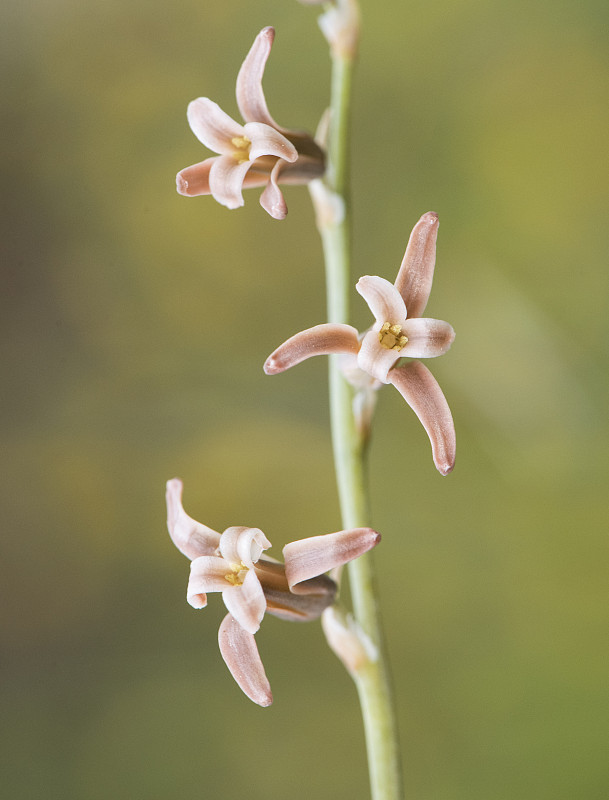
(251, 583)
(259, 153)
(370, 360)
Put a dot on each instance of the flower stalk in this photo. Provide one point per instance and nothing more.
(331, 201)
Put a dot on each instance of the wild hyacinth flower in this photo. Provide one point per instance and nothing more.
(252, 583)
(399, 331)
(259, 153)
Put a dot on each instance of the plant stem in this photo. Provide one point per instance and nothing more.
(372, 679)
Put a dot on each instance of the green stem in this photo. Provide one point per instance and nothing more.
(372, 679)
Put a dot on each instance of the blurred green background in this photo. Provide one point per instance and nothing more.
(135, 324)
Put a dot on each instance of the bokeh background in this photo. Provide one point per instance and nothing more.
(134, 327)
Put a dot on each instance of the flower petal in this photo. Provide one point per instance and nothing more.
(207, 574)
(194, 181)
(240, 654)
(250, 95)
(226, 180)
(319, 340)
(282, 603)
(305, 170)
(212, 126)
(308, 558)
(301, 607)
(427, 338)
(415, 275)
(188, 535)
(375, 359)
(246, 602)
(383, 298)
(243, 545)
(271, 199)
(421, 391)
(266, 141)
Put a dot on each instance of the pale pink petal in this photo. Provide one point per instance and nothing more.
(320, 340)
(194, 181)
(240, 545)
(415, 275)
(212, 126)
(375, 359)
(250, 95)
(266, 141)
(427, 338)
(207, 574)
(421, 391)
(246, 602)
(226, 180)
(188, 535)
(308, 558)
(240, 654)
(383, 298)
(271, 199)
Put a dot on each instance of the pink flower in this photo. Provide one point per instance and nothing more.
(251, 583)
(399, 331)
(259, 153)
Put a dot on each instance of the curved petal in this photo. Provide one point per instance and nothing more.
(321, 340)
(212, 126)
(207, 574)
(250, 95)
(243, 545)
(194, 181)
(266, 141)
(246, 602)
(240, 654)
(415, 275)
(188, 535)
(421, 391)
(226, 180)
(308, 558)
(383, 298)
(427, 338)
(375, 359)
(271, 199)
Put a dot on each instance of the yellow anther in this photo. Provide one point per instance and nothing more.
(391, 337)
(242, 148)
(237, 574)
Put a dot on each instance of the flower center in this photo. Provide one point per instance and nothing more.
(242, 148)
(390, 337)
(237, 574)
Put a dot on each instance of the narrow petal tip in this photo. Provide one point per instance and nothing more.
(268, 33)
(445, 468)
(272, 366)
(181, 184)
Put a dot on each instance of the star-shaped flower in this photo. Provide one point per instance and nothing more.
(259, 153)
(399, 331)
(251, 583)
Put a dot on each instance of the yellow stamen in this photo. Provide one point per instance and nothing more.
(242, 148)
(237, 574)
(391, 337)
